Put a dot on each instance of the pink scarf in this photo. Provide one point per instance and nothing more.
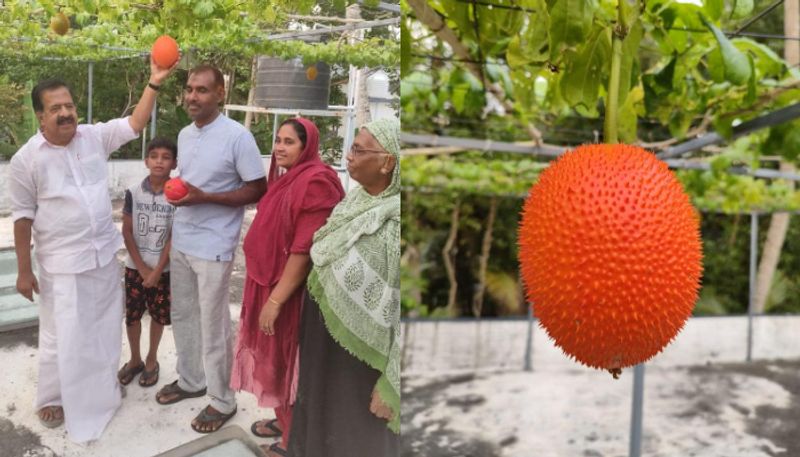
(266, 245)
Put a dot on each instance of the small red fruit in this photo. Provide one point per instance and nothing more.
(175, 189)
(165, 51)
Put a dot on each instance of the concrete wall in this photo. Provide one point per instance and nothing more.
(450, 346)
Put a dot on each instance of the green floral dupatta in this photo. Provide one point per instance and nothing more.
(356, 275)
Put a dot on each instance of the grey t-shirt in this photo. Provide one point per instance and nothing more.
(218, 157)
(151, 216)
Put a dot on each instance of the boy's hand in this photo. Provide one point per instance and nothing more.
(144, 272)
(151, 280)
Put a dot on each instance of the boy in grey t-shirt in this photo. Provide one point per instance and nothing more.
(146, 228)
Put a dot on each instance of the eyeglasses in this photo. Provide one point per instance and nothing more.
(358, 152)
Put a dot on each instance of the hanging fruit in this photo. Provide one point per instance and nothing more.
(59, 23)
(312, 72)
(610, 254)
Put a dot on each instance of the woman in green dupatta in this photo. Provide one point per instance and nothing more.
(348, 397)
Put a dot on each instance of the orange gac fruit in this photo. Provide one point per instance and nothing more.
(175, 189)
(59, 23)
(610, 254)
(312, 72)
(165, 51)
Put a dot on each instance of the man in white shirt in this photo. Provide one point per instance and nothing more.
(58, 185)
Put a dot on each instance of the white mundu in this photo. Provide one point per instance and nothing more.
(64, 190)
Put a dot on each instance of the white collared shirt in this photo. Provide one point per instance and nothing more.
(218, 157)
(64, 190)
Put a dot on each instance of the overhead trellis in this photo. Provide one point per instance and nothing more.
(712, 103)
(119, 28)
(541, 60)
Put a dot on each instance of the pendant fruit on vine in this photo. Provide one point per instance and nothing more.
(312, 72)
(610, 254)
(59, 23)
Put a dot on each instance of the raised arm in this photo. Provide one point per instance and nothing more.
(141, 114)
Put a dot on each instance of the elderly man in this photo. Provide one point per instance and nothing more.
(58, 183)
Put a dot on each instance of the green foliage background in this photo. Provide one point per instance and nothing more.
(116, 35)
(549, 61)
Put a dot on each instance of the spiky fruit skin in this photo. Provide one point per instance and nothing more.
(610, 254)
(165, 51)
(175, 189)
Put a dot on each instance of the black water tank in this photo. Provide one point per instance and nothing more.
(290, 84)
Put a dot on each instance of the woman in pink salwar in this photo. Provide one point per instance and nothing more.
(276, 248)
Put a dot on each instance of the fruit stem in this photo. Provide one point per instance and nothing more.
(611, 124)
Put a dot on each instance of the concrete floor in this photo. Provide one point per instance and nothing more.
(141, 427)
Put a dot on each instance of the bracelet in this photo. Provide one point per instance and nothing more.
(153, 86)
(273, 301)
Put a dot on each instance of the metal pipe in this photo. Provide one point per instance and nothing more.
(753, 284)
(327, 30)
(768, 120)
(528, 362)
(635, 448)
(391, 7)
(89, 101)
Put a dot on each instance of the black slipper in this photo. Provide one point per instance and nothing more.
(268, 423)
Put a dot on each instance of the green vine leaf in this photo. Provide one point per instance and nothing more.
(586, 71)
(737, 66)
(570, 24)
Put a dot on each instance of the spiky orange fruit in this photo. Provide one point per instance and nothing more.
(610, 254)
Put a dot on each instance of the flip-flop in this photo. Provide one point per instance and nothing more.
(205, 417)
(173, 389)
(126, 374)
(274, 449)
(267, 423)
(149, 378)
(55, 421)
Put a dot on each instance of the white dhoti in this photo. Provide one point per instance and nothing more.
(80, 338)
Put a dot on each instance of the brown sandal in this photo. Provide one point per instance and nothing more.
(126, 374)
(149, 378)
(205, 418)
(272, 450)
(180, 394)
(269, 424)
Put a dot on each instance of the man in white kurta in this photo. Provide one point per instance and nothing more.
(58, 183)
